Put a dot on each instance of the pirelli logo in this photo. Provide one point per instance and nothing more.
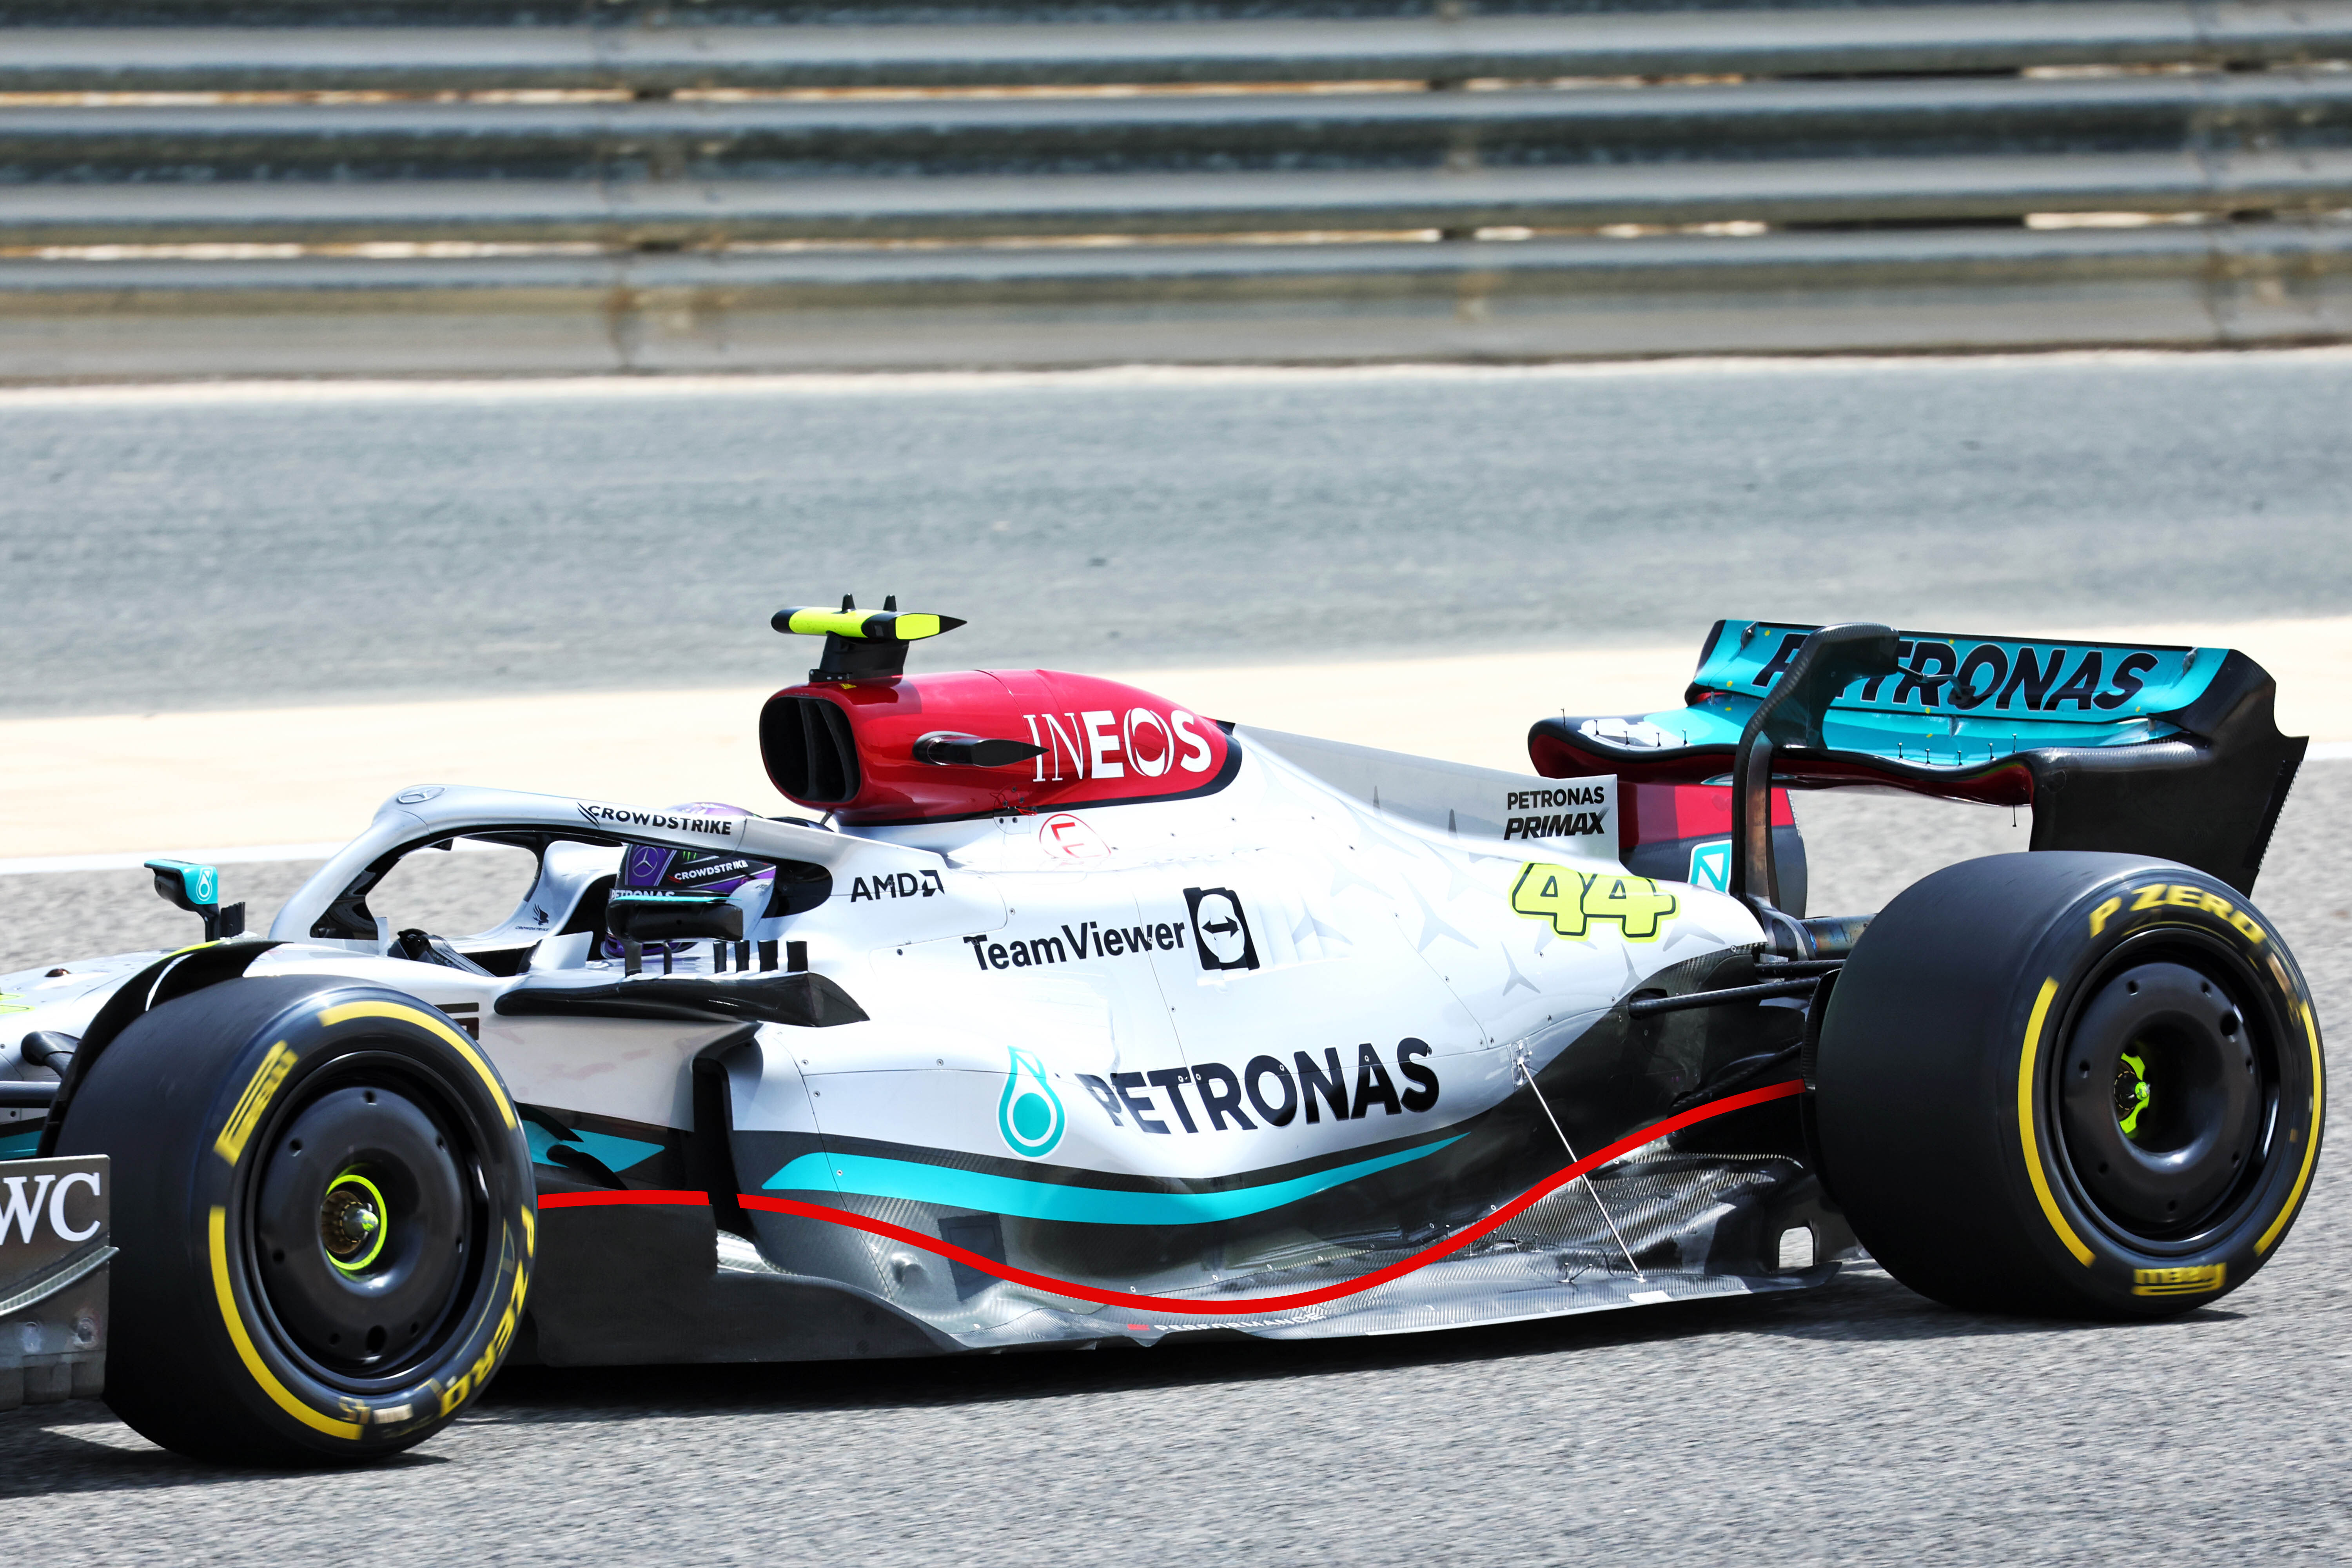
(230, 1145)
(2156, 897)
(2199, 1281)
(478, 1374)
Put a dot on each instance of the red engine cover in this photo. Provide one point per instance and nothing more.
(1652, 814)
(1105, 744)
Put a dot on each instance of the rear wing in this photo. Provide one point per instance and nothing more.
(2141, 748)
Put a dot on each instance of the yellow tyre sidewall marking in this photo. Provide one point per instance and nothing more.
(2310, 1140)
(2239, 921)
(247, 1114)
(225, 1293)
(458, 1042)
(2025, 1124)
(468, 1384)
(261, 1374)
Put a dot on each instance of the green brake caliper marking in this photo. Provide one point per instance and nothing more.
(2131, 1093)
(350, 1222)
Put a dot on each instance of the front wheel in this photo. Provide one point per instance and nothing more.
(2085, 1085)
(324, 1209)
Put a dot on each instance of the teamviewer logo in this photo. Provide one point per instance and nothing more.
(1220, 931)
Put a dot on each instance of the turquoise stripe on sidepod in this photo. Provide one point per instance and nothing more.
(616, 1153)
(866, 1176)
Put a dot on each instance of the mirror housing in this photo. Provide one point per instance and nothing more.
(184, 885)
(637, 918)
(672, 917)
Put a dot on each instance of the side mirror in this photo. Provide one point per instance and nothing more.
(48, 1049)
(640, 918)
(671, 917)
(184, 885)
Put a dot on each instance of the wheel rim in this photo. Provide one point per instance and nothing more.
(368, 1221)
(2165, 1093)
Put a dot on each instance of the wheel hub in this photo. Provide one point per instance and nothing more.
(2131, 1092)
(2161, 1103)
(362, 1228)
(350, 1222)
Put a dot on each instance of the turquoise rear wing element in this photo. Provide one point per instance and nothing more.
(1967, 698)
(2143, 748)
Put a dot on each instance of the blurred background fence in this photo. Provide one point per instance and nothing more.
(420, 186)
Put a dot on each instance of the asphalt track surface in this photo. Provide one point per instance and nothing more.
(1858, 1423)
(182, 549)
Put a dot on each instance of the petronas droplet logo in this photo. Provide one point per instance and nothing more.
(1029, 1114)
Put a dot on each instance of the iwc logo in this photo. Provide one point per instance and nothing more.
(1220, 931)
(1029, 1114)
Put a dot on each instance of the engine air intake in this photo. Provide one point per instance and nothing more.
(809, 750)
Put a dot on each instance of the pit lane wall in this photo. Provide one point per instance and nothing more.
(418, 187)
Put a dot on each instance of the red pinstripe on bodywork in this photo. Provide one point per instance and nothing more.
(1178, 1306)
(611, 1200)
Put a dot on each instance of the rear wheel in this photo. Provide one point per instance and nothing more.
(2070, 1083)
(324, 1210)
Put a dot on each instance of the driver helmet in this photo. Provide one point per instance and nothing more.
(658, 867)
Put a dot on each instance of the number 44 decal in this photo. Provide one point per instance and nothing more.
(1573, 901)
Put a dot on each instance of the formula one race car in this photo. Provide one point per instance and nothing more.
(1071, 1016)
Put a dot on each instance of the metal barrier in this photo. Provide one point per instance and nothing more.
(447, 186)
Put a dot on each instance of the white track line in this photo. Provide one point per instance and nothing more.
(831, 384)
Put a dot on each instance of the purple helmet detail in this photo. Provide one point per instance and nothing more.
(658, 867)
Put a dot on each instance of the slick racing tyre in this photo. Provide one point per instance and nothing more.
(2071, 1084)
(324, 1203)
